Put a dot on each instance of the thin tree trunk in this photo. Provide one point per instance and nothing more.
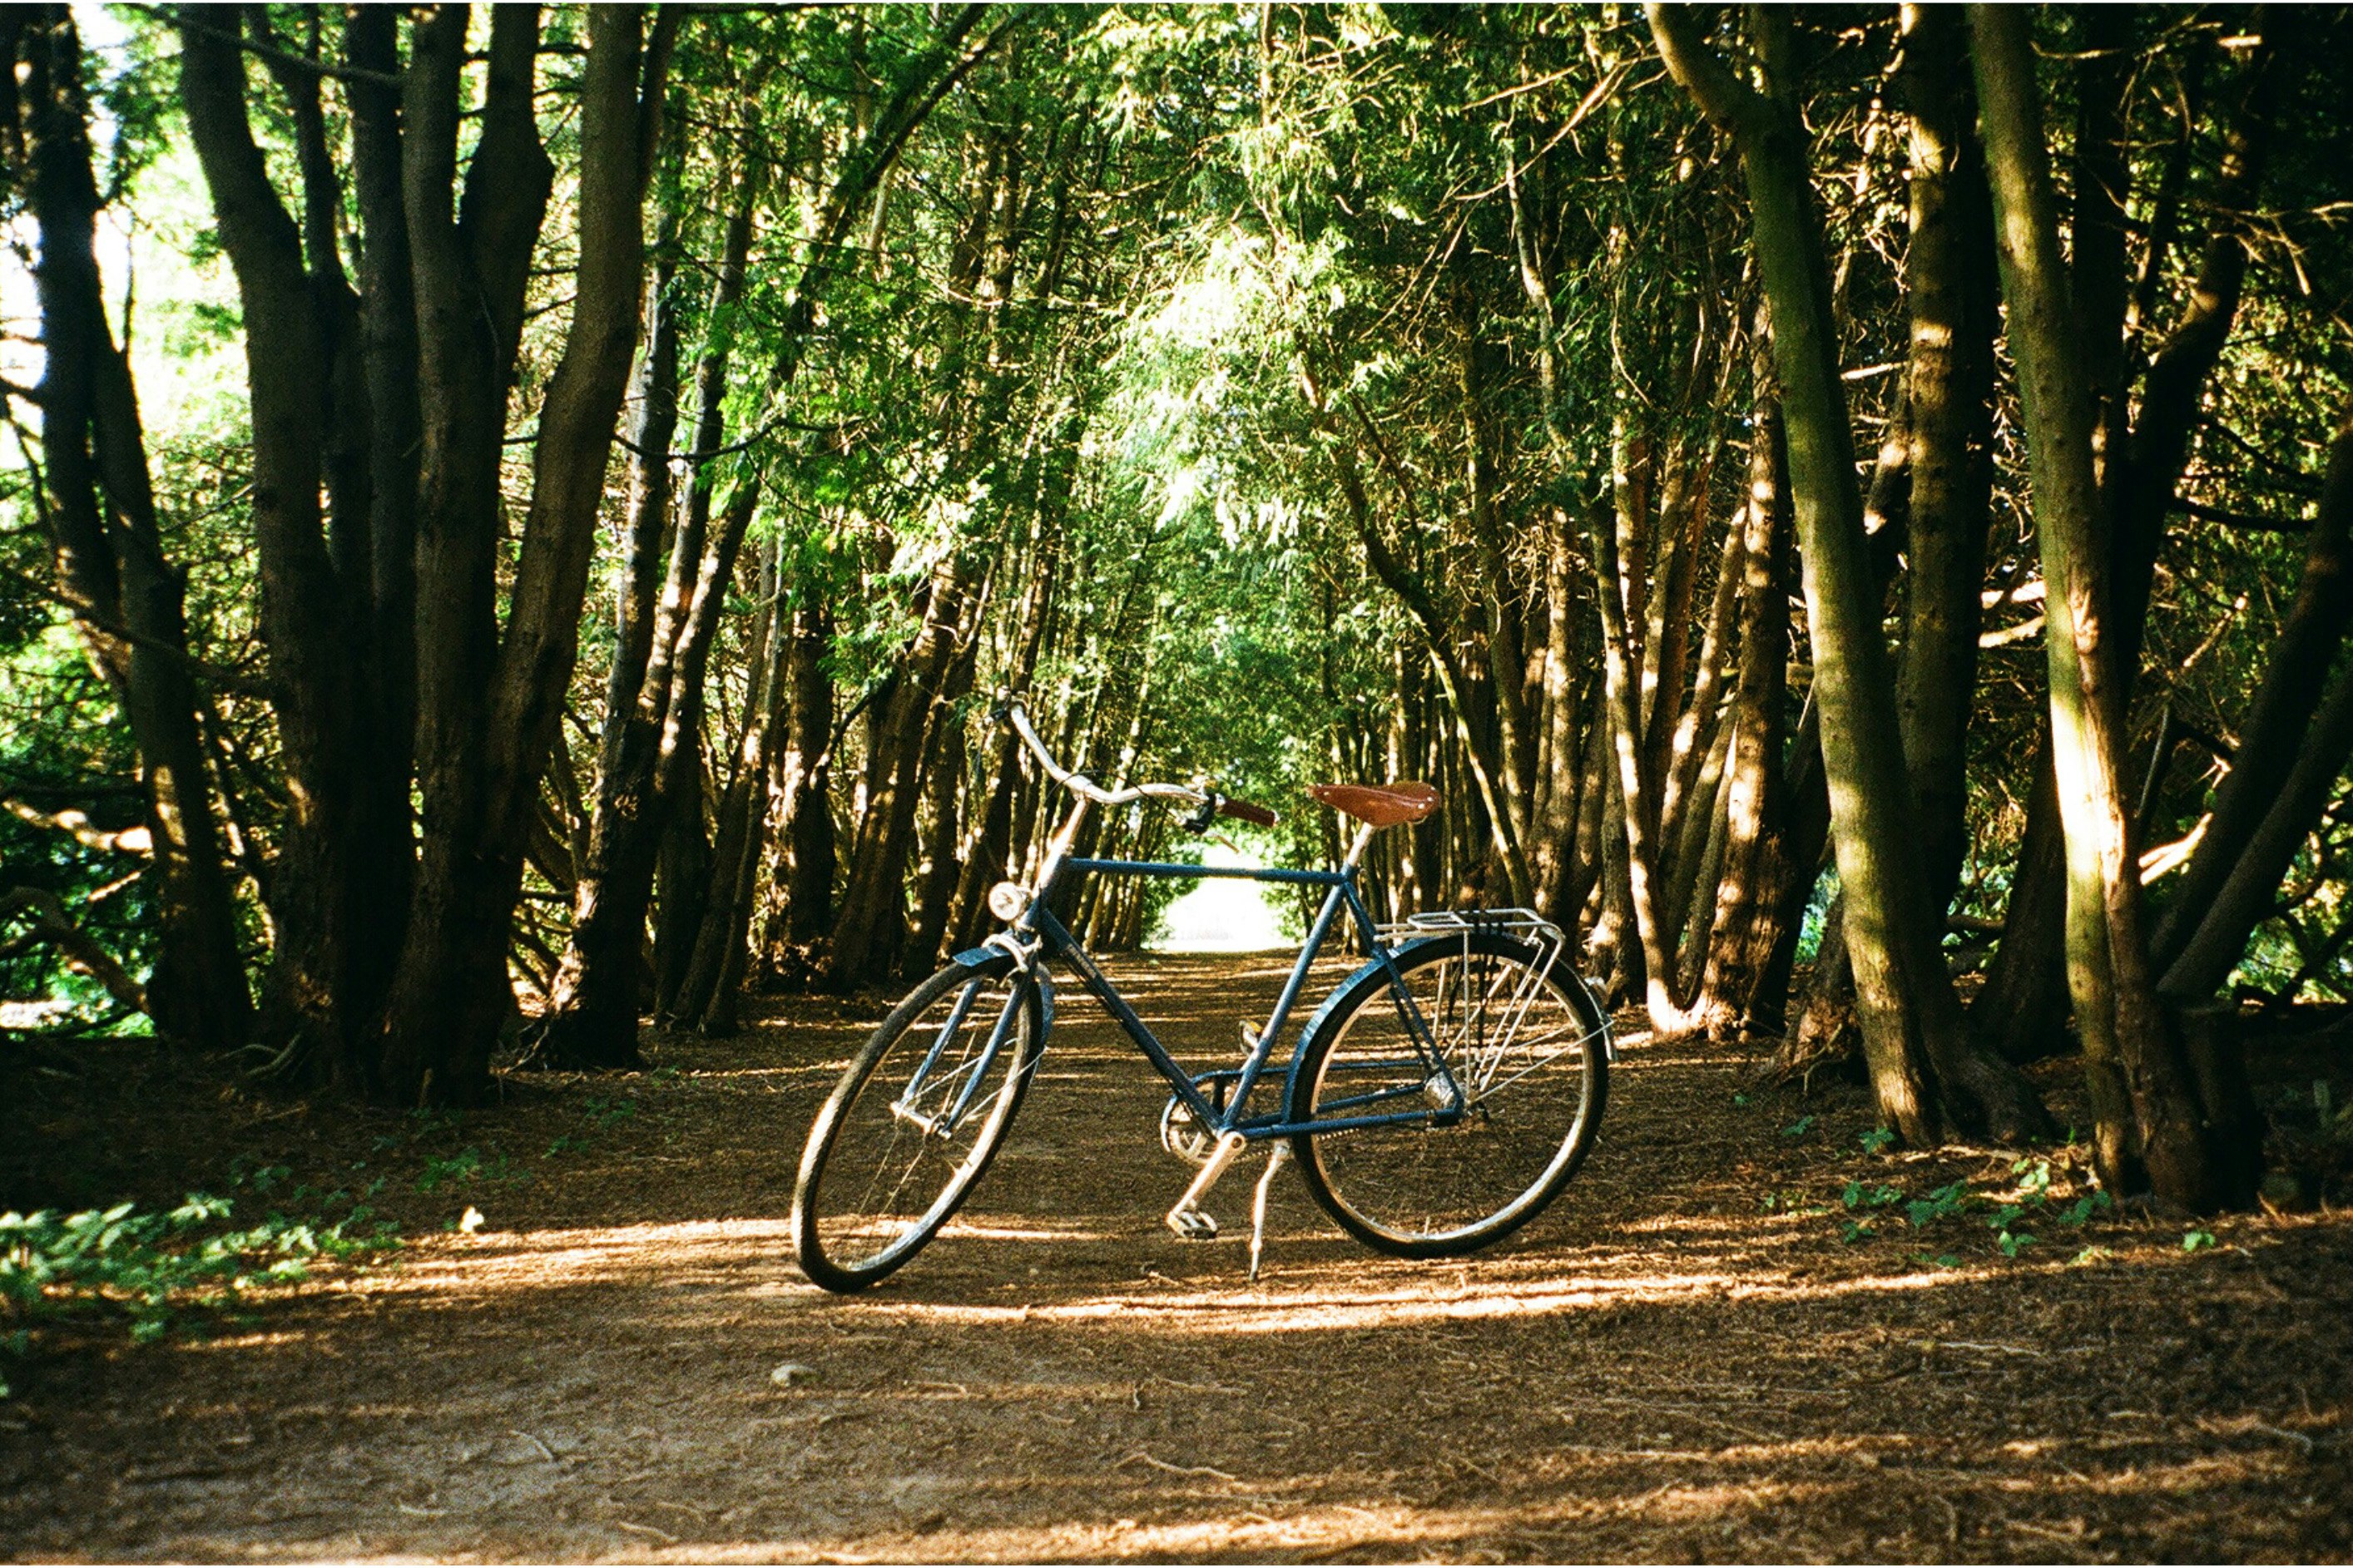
(702, 998)
(807, 869)
(989, 849)
(1748, 907)
(593, 997)
(935, 883)
(2021, 1008)
(1621, 675)
(1948, 387)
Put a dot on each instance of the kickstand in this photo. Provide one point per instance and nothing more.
(1257, 1206)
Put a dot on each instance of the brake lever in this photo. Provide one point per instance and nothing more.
(1203, 815)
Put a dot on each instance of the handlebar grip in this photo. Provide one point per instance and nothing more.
(1245, 810)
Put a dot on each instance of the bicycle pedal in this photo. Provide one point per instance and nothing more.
(1188, 1218)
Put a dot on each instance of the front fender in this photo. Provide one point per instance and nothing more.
(982, 957)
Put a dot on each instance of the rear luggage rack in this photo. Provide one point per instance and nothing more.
(1549, 940)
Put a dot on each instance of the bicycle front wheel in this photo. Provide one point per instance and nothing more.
(914, 1122)
(1463, 1166)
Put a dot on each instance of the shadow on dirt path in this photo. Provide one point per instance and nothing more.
(1682, 1360)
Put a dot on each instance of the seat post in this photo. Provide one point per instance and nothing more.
(1357, 850)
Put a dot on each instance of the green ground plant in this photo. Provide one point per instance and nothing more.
(187, 1269)
(2039, 1192)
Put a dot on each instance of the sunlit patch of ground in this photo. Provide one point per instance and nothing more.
(1682, 1360)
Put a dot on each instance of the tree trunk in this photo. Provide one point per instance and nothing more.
(2143, 1094)
(314, 999)
(805, 870)
(488, 700)
(659, 653)
(1749, 916)
(715, 972)
(1909, 1016)
(128, 597)
(989, 849)
(385, 867)
(2021, 1008)
(876, 894)
(1622, 674)
(1949, 392)
(591, 1016)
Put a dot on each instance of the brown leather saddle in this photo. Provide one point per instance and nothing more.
(1380, 806)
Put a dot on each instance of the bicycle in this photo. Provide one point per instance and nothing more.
(1439, 1098)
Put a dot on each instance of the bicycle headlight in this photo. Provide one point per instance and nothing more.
(1007, 900)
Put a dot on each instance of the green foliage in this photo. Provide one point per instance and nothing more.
(2037, 1191)
(1876, 1196)
(467, 1165)
(179, 1269)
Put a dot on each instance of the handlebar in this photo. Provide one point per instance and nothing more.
(1211, 804)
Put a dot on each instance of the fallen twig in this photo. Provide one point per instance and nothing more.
(536, 1442)
(1174, 1470)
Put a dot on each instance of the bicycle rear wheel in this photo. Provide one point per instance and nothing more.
(914, 1122)
(1525, 1049)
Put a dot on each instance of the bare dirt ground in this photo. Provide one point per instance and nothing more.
(1685, 1359)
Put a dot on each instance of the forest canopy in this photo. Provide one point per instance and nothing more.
(515, 518)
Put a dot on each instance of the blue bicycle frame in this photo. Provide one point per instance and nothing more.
(1054, 941)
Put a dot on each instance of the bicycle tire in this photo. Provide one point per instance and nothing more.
(1535, 1096)
(875, 1183)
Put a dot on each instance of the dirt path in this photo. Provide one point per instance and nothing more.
(1682, 1360)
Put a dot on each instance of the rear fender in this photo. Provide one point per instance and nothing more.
(1340, 992)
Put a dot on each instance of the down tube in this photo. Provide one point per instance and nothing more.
(1062, 945)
